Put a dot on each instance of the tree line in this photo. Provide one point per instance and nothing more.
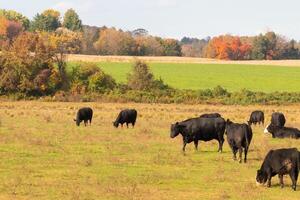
(112, 41)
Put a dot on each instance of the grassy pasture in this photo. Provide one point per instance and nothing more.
(233, 77)
(45, 156)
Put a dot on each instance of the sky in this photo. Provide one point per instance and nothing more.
(178, 18)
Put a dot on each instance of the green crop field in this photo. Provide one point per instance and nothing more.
(45, 156)
(202, 76)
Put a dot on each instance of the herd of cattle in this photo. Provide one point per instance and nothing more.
(212, 126)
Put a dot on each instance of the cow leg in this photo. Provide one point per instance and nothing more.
(85, 122)
(240, 154)
(269, 180)
(127, 124)
(133, 123)
(221, 141)
(196, 144)
(294, 177)
(280, 176)
(184, 144)
(246, 152)
(234, 150)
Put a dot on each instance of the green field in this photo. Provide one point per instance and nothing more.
(202, 76)
(45, 156)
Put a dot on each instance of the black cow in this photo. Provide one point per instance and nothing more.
(257, 117)
(210, 115)
(283, 132)
(281, 162)
(84, 114)
(196, 129)
(278, 119)
(238, 136)
(126, 116)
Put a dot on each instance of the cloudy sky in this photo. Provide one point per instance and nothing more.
(178, 18)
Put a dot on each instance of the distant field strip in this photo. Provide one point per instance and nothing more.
(173, 59)
(202, 76)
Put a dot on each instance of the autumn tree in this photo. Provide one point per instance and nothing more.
(48, 21)
(13, 30)
(9, 30)
(148, 45)
(115, 42)
(27, 66)
(64, 42)
(72, 21)
(90, 34)
(227, 47)
(3, 27)
(12, 15)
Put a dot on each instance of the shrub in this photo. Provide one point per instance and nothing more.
(219, 91)
(141, 78)
(100, 82)
(89, 77)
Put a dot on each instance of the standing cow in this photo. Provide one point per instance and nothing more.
(238, 136)
(281, 162)
(196, 129)
(257, 117)
(84, 114)
(126, 116)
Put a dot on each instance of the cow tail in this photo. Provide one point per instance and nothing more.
(247, 134)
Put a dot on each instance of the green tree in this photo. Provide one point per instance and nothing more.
(259, 47)
(72, 21)
(171, 47)
(48, 21)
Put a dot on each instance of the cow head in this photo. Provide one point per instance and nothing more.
(176, 129)
(77, 122)
(261, 177)
(228, 123)
(116, 124)
(270, 129)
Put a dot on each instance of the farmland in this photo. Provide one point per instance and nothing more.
(45, 156)
(234, 77)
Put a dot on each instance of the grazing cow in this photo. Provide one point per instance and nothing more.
(126, 116)
(281, 162)
(84, 114)
(196, 129)
(238, 136)
(257, 117)
(278, 119)
(210, 115)
(282, 132)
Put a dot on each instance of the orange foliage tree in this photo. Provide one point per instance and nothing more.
(228, 47)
